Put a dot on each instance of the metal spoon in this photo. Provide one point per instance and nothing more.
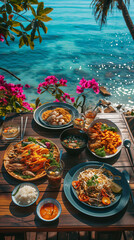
(126, 174)
(127, 144)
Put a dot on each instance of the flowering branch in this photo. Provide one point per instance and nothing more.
(52, 85)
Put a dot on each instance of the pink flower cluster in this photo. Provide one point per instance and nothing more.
(87, 84)
(9, 90)
(51, 80)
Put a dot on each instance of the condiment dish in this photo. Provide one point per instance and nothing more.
(76, 134)
(50, 202)
(25, 196)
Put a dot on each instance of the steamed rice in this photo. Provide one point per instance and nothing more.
(26, 195)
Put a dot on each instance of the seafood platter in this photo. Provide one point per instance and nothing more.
(56, 115)
(27, 160)
(105, 138)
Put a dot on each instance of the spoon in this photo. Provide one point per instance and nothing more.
(126, 175)
(127, 144)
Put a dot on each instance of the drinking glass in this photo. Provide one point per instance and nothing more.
(54, 174)
(10, 130)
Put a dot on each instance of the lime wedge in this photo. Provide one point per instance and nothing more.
(115, 187)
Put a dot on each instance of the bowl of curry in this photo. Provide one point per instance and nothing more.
(48, 210)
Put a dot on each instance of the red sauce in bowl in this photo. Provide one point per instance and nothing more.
(49, 211)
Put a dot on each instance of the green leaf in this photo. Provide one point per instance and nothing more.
(28, 28)
(18, 8)
(44, 19)
(42, 25)
(40, 38)
(31, 43)
(34, 1)
(47, 10)
(25, 39)
(37, 101)
(40, 8)
(32, 10)
(8, 8)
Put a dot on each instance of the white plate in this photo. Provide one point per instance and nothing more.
(111, 124)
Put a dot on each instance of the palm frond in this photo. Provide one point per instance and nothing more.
(101, 8)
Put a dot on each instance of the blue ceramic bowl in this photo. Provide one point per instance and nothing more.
(48, 200)
(16, 189)
(74, 132)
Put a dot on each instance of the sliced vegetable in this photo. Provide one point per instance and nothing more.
(100, 152)
(106, 200)
(103, 192)
(76, 184)
(83, 198)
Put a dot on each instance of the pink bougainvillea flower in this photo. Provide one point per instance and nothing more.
(82, 81)
(27, 105)
(4, 101)
(2, 79)
(51, 80)
(56, 100)
(63, 82)
(2, 88)
(72, 99)
(79, 89)
(27, 86)
(1, 37)
(66, 95)
(96, 89)
(39, 91)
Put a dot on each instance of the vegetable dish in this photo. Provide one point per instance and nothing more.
(103, 139)
(96, 187)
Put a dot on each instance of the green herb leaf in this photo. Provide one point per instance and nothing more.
(16, 191)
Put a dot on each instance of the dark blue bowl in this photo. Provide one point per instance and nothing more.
(75, 133)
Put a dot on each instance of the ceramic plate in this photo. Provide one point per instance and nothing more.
(95, 212)
(75, 178)
(50, 106)
(111, 124)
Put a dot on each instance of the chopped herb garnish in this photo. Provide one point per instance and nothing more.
(92, 182)
(31, 139)
(106, 127)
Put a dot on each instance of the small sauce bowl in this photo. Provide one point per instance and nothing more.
(50, 203)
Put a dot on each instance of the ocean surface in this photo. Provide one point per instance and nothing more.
(76, 47)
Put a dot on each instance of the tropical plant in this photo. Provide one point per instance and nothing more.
(14, 12)
(53, 86)
(102, 7)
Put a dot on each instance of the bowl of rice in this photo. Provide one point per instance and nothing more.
(25, 194)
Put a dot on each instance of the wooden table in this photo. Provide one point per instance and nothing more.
(16, 219)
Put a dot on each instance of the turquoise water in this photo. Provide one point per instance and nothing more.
(75, 47)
